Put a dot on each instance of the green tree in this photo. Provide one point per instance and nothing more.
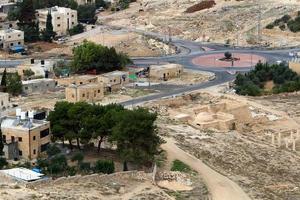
(53, 150)
(86, 13)
(101, 3)
(3, 83)
(48, 34)
(14, 84)
(76, 29)
(3, 162)
(136, 136)
(92, 56)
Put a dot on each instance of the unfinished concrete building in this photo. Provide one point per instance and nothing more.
(38, 86)
(165, 72)
(92, 92)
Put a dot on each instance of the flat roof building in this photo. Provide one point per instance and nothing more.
(43, 85)
(114, 80)
(77, 80)
(30, 137)
(63, 19)
(10, 38)
(40, 68)
(91, 92)
(165, 72)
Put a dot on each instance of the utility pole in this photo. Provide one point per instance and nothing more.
(259, 25)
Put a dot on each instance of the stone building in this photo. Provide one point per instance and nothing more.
(165, 72)
(63, 19)
(38, 86)
(25, 137)
(91, 92)
(40, 68)
(114, 80)
(77, 80)
(10, 38)
(295, 65)
(4, 101)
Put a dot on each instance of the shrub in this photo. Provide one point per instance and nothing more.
(3, 162)
(270, 26)
(282, 27)
(85, 166)
(77, 157)
(105, 166)
(285, 18)
(53, 150)
(180, 166)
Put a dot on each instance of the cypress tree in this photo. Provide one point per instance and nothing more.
(48, 34)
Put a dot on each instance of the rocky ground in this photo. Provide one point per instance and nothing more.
(232, 20)
(246, 156)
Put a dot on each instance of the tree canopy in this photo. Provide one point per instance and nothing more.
(133, 131)
(253, 82)
(48, 34)
(90, 56)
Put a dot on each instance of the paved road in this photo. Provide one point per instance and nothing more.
(219, 186)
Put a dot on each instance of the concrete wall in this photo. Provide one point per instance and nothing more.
(77, 80)
(113, 81)
(11, 151)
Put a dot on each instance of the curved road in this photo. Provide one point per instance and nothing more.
(219, 186)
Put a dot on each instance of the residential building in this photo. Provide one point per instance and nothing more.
(114, 80)
(91, 92)
(83, 2)
(4, 101)
(77, 80)
(165, 72)
(10, 38)
(7, 5)
(26, 136)
(43, 85)
(295, 65)
(40, 68)
(63, 19)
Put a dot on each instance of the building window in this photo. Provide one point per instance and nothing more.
(12, 138)
(4, 138)
(58, 17)
(19, 42)
(83, 95)
(20, 153)
(68, 13)
(72, 23)
(80, 83)
(44, 147)
(58, 25)
(33, 138)
(98, 91)
(34, 151)
(73, 96)
(19, 35)
(73, 16)
(11, 44)
(44, 133)
(114, 80)
(9, 36)
(2, 103)
(20, 139)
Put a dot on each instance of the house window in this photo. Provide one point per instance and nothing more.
(12, 138)
(73, 96)
(58, 17)
(4, 138)
(11, 44)
(2, 103)
(44, 133)
(72, 23)
(83, 95)
(19, 42)
(34, 151)
(98, 91)
(115, 80)
(9, 36)
(26, 88)
(80, 83)
(33, 138)
(68, 13)
(19, 35)
(72, 16)
(20, 139)
(20, 153)
(44, 147)
(58, 25)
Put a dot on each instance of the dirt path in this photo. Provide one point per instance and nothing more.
(220, 187)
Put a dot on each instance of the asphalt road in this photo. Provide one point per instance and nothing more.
(188, 51)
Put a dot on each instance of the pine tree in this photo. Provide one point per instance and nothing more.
(3, 81)
(48, 34)
(1, 143)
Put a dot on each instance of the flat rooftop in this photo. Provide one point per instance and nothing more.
(114, 73)
(87, 86)
(15, 123)
(37, 81)
(167, 66)
(22, 174)
(10, 31)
